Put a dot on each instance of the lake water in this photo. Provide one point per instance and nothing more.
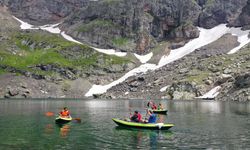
(198, 125)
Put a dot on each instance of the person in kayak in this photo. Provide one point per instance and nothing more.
(160, 106)
(152, 117)
(65, 112)
(154, 107)
(137, 117)
(149, 104)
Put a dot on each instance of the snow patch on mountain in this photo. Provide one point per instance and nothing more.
(144, 58)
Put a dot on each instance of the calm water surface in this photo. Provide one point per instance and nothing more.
(198, 125)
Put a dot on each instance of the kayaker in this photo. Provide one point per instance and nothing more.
(154, 107)
(152, 117)
(149, 104)
(136, 117)
(65, 112)
(160, 107)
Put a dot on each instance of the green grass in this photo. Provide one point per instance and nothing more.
(201, 75)
(120, 41)
(28, 58)
(40, 37)
(2, 71)
(111, 1)
(98, 23)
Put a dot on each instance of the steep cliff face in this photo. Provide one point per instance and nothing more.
(43, 11)
(215, 12)
(244, 18)
(138, 25)
(131, 25)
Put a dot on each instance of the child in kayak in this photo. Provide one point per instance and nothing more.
(160, 107)
(65, 113)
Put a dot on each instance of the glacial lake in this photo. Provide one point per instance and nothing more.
(198, 125)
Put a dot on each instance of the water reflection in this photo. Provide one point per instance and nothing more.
(49, 128)
(64, 130)
(161, 118)
(143, 138)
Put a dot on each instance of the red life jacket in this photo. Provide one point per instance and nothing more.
(139, 117)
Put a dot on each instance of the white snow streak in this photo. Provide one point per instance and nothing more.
(24, 25)
(99, 89)
(53, 28)
(206, 36)
(110, 52)
(69, 38)
(144, 58)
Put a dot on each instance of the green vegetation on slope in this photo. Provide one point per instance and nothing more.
(120, 41)
(236, 63)
(97, 23)
(35, 48)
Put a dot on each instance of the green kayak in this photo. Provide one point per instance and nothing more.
(154, 126)
(164, 111)
(62, 120)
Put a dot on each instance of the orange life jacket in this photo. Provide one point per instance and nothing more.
(64, 113)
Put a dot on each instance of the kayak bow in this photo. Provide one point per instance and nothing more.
(62, 120)
(154, 126)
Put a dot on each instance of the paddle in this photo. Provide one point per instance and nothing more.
(50, 114)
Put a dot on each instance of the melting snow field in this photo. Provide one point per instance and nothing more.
(243, 38)
(212, 93)
(24, 25)
(52, 28)
(110, 52)
(207, 36)
(145, 58)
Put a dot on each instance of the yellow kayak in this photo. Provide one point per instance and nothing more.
(154, 126)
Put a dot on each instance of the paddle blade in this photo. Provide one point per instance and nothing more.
(49, 114)
(77, 120)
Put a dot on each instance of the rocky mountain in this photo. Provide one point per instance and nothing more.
(134, 26)
(131, 25)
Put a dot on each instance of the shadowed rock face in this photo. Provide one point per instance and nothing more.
(244, 18)
(43, 11)
(132, 25)
(215, 12)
